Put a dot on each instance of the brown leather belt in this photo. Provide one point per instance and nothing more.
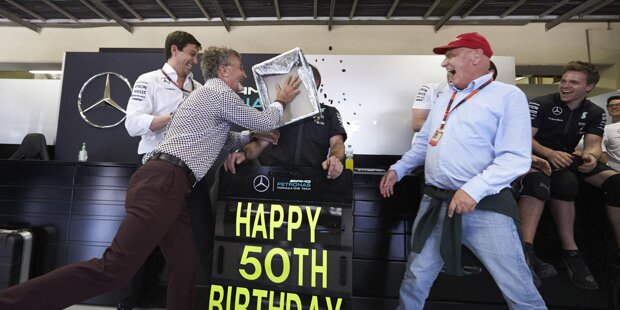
(191, 178)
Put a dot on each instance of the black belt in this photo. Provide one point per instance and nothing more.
(191, 178)
(440, 189)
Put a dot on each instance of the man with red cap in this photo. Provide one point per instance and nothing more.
(473, 145)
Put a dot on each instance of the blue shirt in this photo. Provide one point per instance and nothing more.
(487, 141)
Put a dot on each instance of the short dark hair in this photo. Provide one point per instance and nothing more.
(213, 57)
(612, 98)
(316, 74)
(493, 67)
(179, 39)
(589, 69)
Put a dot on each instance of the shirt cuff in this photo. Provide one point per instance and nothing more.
(246, 137)
(399, 170)
(278, 105)
(477, 189)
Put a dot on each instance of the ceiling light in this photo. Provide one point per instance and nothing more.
(45, 71)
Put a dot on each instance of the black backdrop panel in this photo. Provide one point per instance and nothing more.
(114, 144)
(110, 144)
(265, 242)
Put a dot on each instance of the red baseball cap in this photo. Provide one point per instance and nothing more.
(470, 40)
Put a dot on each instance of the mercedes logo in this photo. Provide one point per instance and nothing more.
(556, 110)
(261, 183)
(86, 109)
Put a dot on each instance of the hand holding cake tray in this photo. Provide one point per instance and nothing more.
(274, 72)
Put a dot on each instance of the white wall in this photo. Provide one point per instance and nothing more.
(28, 106)
(529, 44)
(374, 94)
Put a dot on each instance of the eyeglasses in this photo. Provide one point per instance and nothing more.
(615, 105)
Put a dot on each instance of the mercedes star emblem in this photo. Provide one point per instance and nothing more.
(556, 110)
(105, 101)
(261, 183)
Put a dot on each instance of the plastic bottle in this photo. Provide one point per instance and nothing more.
(348, 162)
(83, 155)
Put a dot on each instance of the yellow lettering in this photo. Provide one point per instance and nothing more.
(290, 298)
(259, 222)
(285, 301)
(293, 224)
(328, 301)
(243, 219)
(312, 221)
(281, 302)
(322, 269)
(242, 291)
(228, 297)
(286, 265)
(260, 294)
(300, 252)
(213, 302)
(247, 259)
(314, 304)
(275, 209)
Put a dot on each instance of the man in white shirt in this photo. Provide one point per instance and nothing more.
(611, 137)
(157, 94)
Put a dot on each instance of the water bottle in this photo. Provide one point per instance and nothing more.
(348, 162)
(83, 155)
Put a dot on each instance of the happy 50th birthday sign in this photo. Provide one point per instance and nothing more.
(279, 264)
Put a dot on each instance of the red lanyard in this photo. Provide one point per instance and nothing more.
(445, 116)
(177, 85)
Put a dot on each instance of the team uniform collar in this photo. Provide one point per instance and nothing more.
(584, 103)
(169, 70)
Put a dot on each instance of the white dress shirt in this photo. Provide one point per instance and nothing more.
(611, 145)
(154, 94)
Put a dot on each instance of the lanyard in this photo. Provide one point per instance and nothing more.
(445, 116)
(177, 85)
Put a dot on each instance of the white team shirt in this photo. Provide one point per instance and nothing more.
(427, 96)
(154, 94)
(611, 145)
